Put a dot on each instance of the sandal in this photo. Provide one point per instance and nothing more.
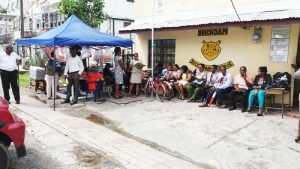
(191, 100)
(117, 97)
(260, 112)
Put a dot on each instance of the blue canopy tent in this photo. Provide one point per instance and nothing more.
(75, 32)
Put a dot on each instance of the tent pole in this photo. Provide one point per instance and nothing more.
(54, 79)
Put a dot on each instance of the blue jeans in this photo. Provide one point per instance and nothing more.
(219, 94)
(260, 96)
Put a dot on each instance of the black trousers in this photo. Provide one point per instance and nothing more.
(73, 79)
(10, 78)
(244, 95)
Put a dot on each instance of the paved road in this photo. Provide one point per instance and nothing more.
(49, 149)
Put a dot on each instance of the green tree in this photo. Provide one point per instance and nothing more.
(2, 10)
(90, 11)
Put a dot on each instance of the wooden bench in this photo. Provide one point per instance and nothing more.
(272, 92)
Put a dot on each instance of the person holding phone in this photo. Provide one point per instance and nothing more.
(242, 84)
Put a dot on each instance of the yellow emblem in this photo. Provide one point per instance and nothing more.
(210, 50)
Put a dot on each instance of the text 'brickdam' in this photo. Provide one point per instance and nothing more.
(212, 32)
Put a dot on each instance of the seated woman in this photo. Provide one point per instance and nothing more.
(198, 84)
(176, 73)
(184, 82)
(108, 74)
(261, 81)
(167, 73)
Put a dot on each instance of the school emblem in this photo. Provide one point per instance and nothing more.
(211, 50)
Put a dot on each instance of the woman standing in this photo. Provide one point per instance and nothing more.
(136, 74)
(51, 81)
(261, 81)
(118, 72)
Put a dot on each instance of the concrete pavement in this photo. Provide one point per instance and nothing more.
(47, 148)
(145, 133)
(125, 151)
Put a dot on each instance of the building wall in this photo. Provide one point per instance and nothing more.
(107, 27)
(120, 8)
(237, 47)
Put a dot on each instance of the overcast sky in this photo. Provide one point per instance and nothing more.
(3, 3)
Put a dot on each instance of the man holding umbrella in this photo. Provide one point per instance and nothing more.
(9, 61)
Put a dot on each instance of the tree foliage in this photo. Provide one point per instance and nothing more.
(90, 11)
(2, 10)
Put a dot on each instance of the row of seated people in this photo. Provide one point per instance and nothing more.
(211, 86)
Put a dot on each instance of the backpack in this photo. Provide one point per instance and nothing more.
(92, 78)
(281, 80)
(50, 67)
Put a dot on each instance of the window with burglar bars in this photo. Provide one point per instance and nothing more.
(164, 51)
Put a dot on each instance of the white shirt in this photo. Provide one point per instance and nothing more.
(224, 81)
(74, 64)
(212, 79)
(200, 75)
(61, 54)
(9, 62)
(85, 53)
(133, 63)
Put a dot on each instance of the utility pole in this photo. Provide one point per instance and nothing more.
(22, 18)
(22, 31)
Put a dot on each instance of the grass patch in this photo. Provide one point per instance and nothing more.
(24, 79)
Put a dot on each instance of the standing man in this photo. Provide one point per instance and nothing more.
(297, 76)
(74, 68)
(9, 61)
(242, 84)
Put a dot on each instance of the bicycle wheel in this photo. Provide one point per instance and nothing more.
(169, 91)
(161, 92)
(147, 90)
(169, 94)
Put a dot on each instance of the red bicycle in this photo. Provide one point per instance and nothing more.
(157, 87)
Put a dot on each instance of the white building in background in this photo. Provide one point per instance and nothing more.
(121, 13)
(7, 27)
(42, 14)
(13, 8)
